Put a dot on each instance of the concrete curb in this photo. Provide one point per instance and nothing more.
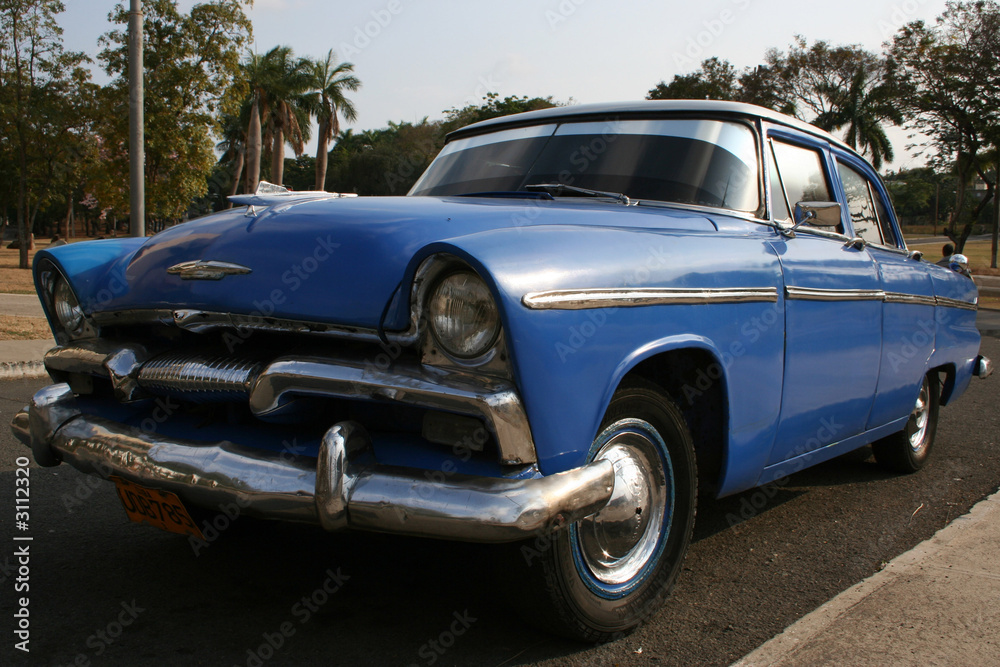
(838, 616)
(18, 370)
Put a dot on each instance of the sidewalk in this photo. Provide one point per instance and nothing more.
(23, 358)
(937, 604)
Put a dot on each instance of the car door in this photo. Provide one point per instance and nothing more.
(833, 309)
(908, 324)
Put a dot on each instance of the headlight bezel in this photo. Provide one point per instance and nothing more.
(56, 290)
(448, 286)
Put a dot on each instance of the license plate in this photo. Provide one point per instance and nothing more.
(162, 509)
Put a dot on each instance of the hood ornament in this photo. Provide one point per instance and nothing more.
(207, 270)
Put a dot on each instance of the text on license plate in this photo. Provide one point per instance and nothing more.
(162, 509)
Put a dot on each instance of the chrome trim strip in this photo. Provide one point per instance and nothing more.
(956, 303)
(204, 269)
(333, 491)
(582, 299)
(495, 401)
(915, 299)
(817, 294)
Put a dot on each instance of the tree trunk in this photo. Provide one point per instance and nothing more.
(278, 156)
(996, 213)
(321, 157)
(962, 177)
(237, 174)
(64, 232)
(253, 149)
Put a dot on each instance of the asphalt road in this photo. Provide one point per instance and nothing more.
(103, 590)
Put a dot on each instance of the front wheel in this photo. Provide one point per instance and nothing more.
(608, 572)
(907, 451)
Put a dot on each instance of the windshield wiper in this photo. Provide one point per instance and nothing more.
(554, 188)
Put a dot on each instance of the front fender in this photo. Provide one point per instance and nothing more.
(568, 363)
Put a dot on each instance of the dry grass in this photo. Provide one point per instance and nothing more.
(989, 302)
(19, 281)
(23, 328)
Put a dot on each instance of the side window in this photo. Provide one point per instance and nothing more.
(859, 203)
(802, 174)
(868, 213)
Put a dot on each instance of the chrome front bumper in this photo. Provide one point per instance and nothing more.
(336, 491)
(983, 367)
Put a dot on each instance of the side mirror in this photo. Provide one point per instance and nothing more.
(816, 214)
(959, 264)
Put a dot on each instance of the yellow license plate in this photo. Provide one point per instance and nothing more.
(162, 509)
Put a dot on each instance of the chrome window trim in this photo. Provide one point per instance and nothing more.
(583, 299)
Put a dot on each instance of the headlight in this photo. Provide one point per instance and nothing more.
(463, 315)
(67, 308)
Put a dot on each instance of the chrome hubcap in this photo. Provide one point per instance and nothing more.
(919, 418)
(620, 540)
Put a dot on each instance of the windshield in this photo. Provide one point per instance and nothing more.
(703, 162)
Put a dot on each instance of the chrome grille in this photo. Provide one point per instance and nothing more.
(201, 378)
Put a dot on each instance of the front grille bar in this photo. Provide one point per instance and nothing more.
(199, 378)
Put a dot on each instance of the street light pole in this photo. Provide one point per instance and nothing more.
(137, 151)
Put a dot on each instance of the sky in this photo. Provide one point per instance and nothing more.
(418, 58)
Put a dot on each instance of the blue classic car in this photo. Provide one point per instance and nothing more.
(578, 322)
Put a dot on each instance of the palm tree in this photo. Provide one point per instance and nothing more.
(329, 81)
(289, 118)
(278, 109)
(234, 144)
(255, 70)
(863, 108)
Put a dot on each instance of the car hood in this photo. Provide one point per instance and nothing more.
(337, 261)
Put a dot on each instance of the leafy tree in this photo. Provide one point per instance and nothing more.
(191, 62)
(949, 80)
(327, 101)
(46, 95)
(386, 161)
(807, 75)
(715, 80)
(494, 107)
(719, 80)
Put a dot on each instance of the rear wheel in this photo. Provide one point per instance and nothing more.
(607, 573)
(907, 451)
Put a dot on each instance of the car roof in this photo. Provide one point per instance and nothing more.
(646, 108)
